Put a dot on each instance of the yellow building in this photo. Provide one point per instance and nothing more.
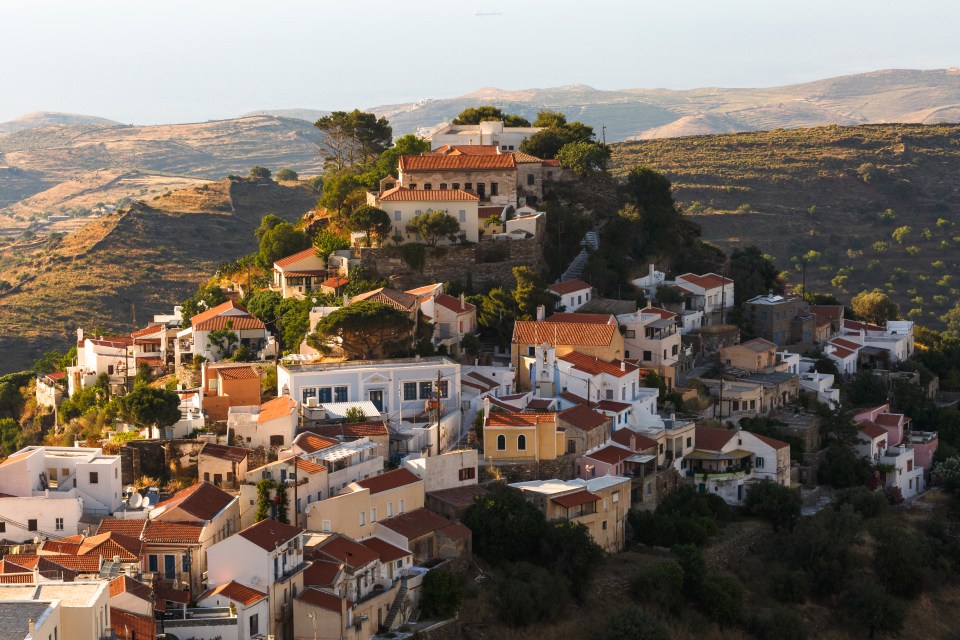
(521, 437)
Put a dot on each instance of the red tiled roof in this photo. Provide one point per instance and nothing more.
(17, 578)
(595, 366)
(574, 398)
(173, 532)
(126, 584)
(321, 573)
(516, 419)
(456, 531)
(150, 362)
(131, 528)
(855, 325)
(663, 313)
(840, 352)
(373, 428)
(80, 564)
(392, 297)
(563, 333)
(459, 496)
(871, 429)
(130, 626)
(846, 344)
(171, 595)
(279, 407)
(454, 304)
(389, 480)
(585, 318)
(622, 436)
(351, 553)
(334, 283)
(311, 442)
(759, 345)
(217, 310)
(308, 466)
(773, 442)
(610, 454)
(415, 524)
(235, 591)
(539, 404)
(568, 286)
(19, 456)
(710, 439)
(202, 500)
(386, 551)
(56, 375)
(235, 323)
(613, 405)
(324, 600)
(456, 162)
(706, 281)
(297, 257)
(525, 158)
(486, 212)
(487, 382)
(244, 372)
(583, 417)
(576, 499)
(270, 534)
(889, 419)
(403, 194)
(223, 452)
(468, 149)
(305, 273)
(110, 544)
(148, 331)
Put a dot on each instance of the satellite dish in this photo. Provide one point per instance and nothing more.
(136, 500)
(146, 502)
(130, 489)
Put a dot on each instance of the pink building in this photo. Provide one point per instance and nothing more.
(924, 445)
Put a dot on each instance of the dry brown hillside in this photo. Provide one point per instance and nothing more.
(151, 257)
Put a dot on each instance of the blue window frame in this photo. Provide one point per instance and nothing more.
(425, 389)
(325, 395)
(340, 394)
(409, 390)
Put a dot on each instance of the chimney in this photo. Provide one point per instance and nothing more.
(31, 626)
(649, 303)
(652, 269)
(36, 573)
(486, 407)
(633, 442)
(541, 312)
(623, 366)
(80, 335)
(463, 299)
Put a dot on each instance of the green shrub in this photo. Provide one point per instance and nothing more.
(633, 623)
(529, 594)
(660, 583)
(789, 587)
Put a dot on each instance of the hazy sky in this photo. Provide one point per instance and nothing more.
(149, 61)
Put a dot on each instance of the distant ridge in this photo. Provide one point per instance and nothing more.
(50, 119)
(310, 115)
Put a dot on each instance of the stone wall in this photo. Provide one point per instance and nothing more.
(161, 459)
(561, 469)
(730, 551)
(711, 339)
(453, 263)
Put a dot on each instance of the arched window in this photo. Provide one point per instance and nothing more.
(521, 443)
(501, 443)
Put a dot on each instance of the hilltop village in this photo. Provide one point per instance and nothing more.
(400, 408)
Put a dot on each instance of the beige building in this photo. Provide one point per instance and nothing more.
(84, 608)
(356, 511)
(271, 425)
(520, 437)
(222, 466)
(305, 480)
(492, 178)
(753, 355)
(297, 275)
(403, 205)
(601, 504)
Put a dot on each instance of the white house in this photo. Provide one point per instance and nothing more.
(843, 352)
(906, 474)
(295, 276)
(271, 425)
(46, 490)
(267, 556)
(110, 355)
(195, 339)
(344, 462)
(895, 337)
(49, 391)
(649, 283)
(448, 470)
(726, 461)
(651, 336)
(251, 605)
(305, 480)
(710, 293)
(490, 132)
(453, 318)
(572, 294)
(403, 205)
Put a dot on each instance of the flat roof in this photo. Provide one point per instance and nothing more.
(15, 617)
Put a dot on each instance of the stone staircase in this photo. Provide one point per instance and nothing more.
(590, 241)
(397, 603)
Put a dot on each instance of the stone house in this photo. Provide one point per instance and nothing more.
(492, 178)
(781, 320)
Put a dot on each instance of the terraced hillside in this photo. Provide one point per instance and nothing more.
(149, 256)
(820, 195)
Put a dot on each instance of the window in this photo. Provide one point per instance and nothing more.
(428, 186)
(630, 333)
(206, 476)
(510, 147)
(481, 190)
(308, 393)
(503, 147)
(689, 442)
(676, 349)
(340, 394)
(604, 525)
(152, 563)
(412, 185)
(531, 351)
(456, 185)
(94, 477)
(254, 624)
(521, 443)
(373, 514)
(609, 394)
(443, 185)
(324, 395)
(59, 524)
(363, 518)
(397, 215)
(109, 369)
(425, 390)
(494, 188)
(647, 356)
(389, 509)
(571, 446)
(443, 389)
(530, 179)
(400, 506)
(463, 215)
(409, 390)
(3, 527)
(468, 186)
(501, 443)
(759, 462)
(467, 474)
(185, 563)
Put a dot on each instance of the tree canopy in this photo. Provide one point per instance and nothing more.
(354, 137)
(370, 221)
(326, 241)
(260, 173)
(364, 330)
(583, 158)
(207, 297)
(433, 225)
(287, 174)
(408, 145)
(476, 115)
(337, 189)
(147, 407)
(874, 306)
(556, 133)
(279, 242)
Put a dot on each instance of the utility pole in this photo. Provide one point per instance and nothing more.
(133, 311)
(439, 434)
(296, 484)
(603, 134)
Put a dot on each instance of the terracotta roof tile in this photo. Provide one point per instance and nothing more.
(235, 591)
(846, 344)
(308, 466)
(392, 297)
(171, 595)
(595, 366)
(173, 532)
(324, 600)
(611, 454)
(454, 304)
(110, 544)
(456, 162)
(244, 372)
(709, 439)
(642, 442)
(840, 352)
(456, 531)
(583, 318)
(759, 345)
(351, 553)
(296, 257)
(468, 149)
(223, 452)
(80, 564)
(126, 584)
(203, 501)
(871, 429)
(321, 573)
(525, 158)
(415, 524)
(459, 496)
(386, 551)
(148, 331)
(568, 286)
(335, 283)
(563, 333)
(311, 442)
(129, 626)
(270, 534)
(214, 312)
(613, 405)
(516, 419)
(583, 417)
(131, 528)
(773, 442)
(235, 323)
(889, 419)
(855, 325)
(574, 398)
(706, 281)
(389, 480)
(372, 428)
(403, 194)
(279, 407)
(576, 499)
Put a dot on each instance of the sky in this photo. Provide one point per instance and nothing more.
(164, 61)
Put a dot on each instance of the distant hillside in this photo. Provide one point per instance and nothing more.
(50, 119)
(310, 115)
(204, 150)
(153, 256)
(819, 193)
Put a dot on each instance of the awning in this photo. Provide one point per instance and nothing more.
(642, 458)
(698, 454)
(576, 499)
